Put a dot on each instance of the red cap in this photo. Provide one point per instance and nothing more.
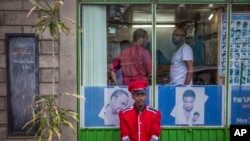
(137, 86)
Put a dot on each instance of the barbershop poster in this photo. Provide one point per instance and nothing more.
(102, 105)
(239, 52)
(240, 105)
(203, 105)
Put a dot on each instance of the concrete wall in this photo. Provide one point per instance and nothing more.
(13, 20)
(68, 64)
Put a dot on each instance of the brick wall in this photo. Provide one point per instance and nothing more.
(13, 20)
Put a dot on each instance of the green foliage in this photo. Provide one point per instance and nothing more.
(49, 116)
(50, 19)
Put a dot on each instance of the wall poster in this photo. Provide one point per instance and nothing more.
(239, 53)
(204, 105)
(239, 105)
(191, 106)
(102, 105)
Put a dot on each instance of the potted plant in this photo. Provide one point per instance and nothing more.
(47, 115)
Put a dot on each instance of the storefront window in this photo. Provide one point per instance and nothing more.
(105, 28)
(123, 21)
(202, 25)
(203, 29)
(111, 24)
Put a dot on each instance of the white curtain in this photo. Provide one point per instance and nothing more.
(94, 46)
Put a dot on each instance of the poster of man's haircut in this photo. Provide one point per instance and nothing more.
(115, 99)
(102, 105)
(190, 105)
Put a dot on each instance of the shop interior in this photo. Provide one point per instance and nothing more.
(201, 21)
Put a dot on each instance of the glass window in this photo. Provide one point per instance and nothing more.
(240, 44)
(129, 25)
(239, 77)
(202, 25)
(109, 28)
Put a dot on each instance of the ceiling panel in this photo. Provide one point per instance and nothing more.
(166, 13)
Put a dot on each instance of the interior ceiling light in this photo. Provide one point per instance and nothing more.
(149, 25)
(210, 5)
(124, 8)
(210, 16)
(180, 6)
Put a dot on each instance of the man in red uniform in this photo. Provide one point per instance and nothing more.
(135, 61)
(139, 122)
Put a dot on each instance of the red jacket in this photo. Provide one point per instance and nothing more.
(144, 126)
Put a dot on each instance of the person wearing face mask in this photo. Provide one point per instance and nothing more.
(181, 69)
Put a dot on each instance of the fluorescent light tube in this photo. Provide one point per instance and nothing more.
(148, 25)
(210, 16)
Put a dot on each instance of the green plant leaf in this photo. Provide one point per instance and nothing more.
(57, 5)
(50, 133)
(46, 114)
(35, 2)
(72, 21)
(57, 131)
(49, 7)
